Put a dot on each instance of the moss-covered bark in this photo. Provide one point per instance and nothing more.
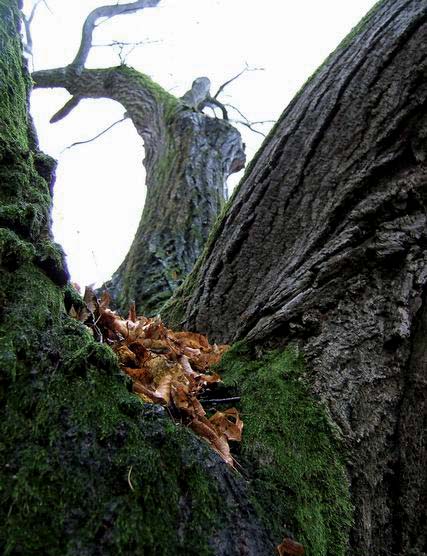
(291, 451)
(188, 157)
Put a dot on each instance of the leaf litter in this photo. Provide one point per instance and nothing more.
(168, 368)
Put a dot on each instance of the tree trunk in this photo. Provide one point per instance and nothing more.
(85, 467)
(323, 246)
(188, 157)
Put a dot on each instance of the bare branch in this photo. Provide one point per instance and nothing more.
(125, 117)
(224, 85)
(249, 125)
(47, 6)
(238, 111)
(108, 12)
(66, 109)
(27, 25)
(124, 43)
(211, 102)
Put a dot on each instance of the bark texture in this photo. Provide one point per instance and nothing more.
(188, 157)
(324, 244)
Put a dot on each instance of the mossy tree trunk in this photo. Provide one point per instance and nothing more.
(324, 245)
(85, 467)
(188, 157)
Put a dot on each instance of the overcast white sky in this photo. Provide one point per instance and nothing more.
(99, 193)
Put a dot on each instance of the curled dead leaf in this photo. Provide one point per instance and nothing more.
(228, 423)
(219, 443)
(289, 547)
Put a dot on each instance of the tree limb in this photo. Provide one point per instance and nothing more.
(27, 25)
(66, 109)
(212, 102)
(105, 11)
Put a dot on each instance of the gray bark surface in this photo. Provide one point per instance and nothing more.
(324, 244)
(188, 157)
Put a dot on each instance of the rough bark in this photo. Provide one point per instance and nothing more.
(324, 245)
(188, 157)
(85, 467)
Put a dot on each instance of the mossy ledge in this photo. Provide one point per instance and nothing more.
(87, 468)
(291, 451)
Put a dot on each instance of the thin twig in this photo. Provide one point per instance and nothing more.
(105, 13)
(96, 136)
(249, 126)
(222, 400)
(224, 85)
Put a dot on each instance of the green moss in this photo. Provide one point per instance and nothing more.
(87, 468)
(51, 258)
(290, 450)
(14, 251)
(13, 84)
(168, 101)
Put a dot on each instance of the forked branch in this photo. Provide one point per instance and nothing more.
(224, 85)
(102, 12)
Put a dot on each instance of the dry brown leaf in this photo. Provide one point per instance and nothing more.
(180, 397)
(141, 374)
(142, 354)
(219, 443)
(156, 345)
(91, 301)
(228, 423)
(289, 547)
(155, 329)
(163, 389)
(105, 301)
(147, 395)
(126, 356)
(191, 340)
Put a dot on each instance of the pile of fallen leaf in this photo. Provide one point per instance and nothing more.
(167, 368)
